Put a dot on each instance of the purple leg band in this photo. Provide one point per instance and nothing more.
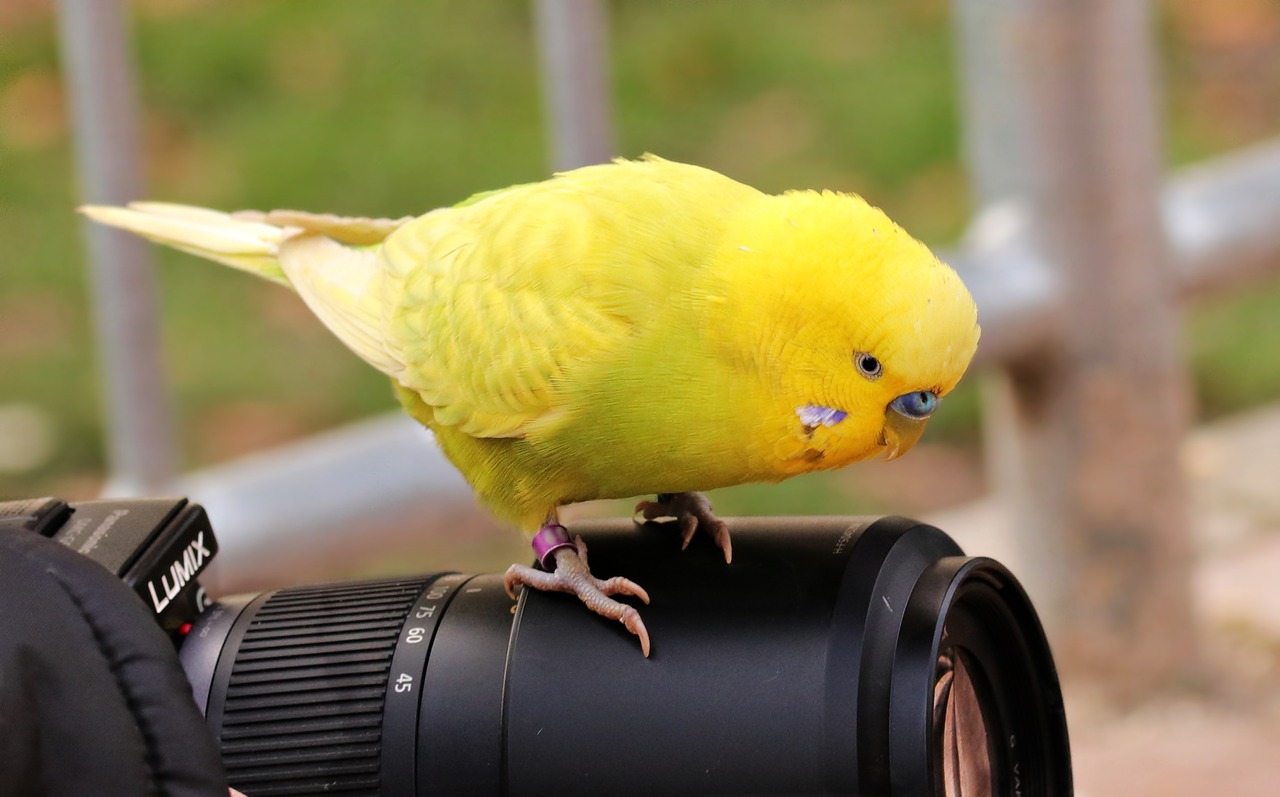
(549, 539)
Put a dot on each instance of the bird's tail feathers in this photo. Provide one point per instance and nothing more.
(330, 261)
(248, 240)
(245, 243)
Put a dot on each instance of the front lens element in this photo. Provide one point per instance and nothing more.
(962, 738)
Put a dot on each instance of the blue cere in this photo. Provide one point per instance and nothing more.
(919, 404)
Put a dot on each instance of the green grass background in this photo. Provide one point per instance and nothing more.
(392, 107)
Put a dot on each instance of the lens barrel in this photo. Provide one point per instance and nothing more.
(834, 656)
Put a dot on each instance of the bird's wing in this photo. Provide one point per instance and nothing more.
(503, 303)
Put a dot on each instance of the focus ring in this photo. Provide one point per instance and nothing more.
(304, 701)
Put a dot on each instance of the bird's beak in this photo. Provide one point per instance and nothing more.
(904, 422)
(900, 433)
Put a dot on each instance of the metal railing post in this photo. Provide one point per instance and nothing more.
(573, 46)
(98, 69)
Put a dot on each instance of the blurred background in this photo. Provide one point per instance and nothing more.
(393, 107)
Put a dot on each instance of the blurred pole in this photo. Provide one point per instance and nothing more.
(573, 45)
(1017, 292)
(98, 70)
(1089, 432)
(995, 115)
(1102, 422)
(997, 141)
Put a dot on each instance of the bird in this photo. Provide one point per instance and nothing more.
(638, 327)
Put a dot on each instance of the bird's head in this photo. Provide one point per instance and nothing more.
(856, 330)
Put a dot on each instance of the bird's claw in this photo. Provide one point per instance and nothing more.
(693, 512)
(572, 575)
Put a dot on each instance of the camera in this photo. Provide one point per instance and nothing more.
(835, 656)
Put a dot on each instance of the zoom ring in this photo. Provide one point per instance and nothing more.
(304, 703)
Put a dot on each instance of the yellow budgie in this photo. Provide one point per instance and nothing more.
(624, 329)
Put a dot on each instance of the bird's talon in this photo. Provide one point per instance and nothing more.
(650, 510)
(571, 575)
(511, 580)
(688, 527)
(693, 511)
(631, 619)
(623, 586)
(726, 544)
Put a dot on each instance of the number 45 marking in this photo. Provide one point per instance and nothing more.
(404, 683)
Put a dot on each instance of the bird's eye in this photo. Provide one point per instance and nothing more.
(867, 365)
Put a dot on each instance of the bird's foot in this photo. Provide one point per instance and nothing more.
(693, 511)
(568, 572)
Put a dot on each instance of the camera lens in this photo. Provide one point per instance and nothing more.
(863, 657)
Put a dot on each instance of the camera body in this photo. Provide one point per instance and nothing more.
(855, 656)
(158, 546)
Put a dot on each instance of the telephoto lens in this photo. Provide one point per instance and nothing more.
(834, 656)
